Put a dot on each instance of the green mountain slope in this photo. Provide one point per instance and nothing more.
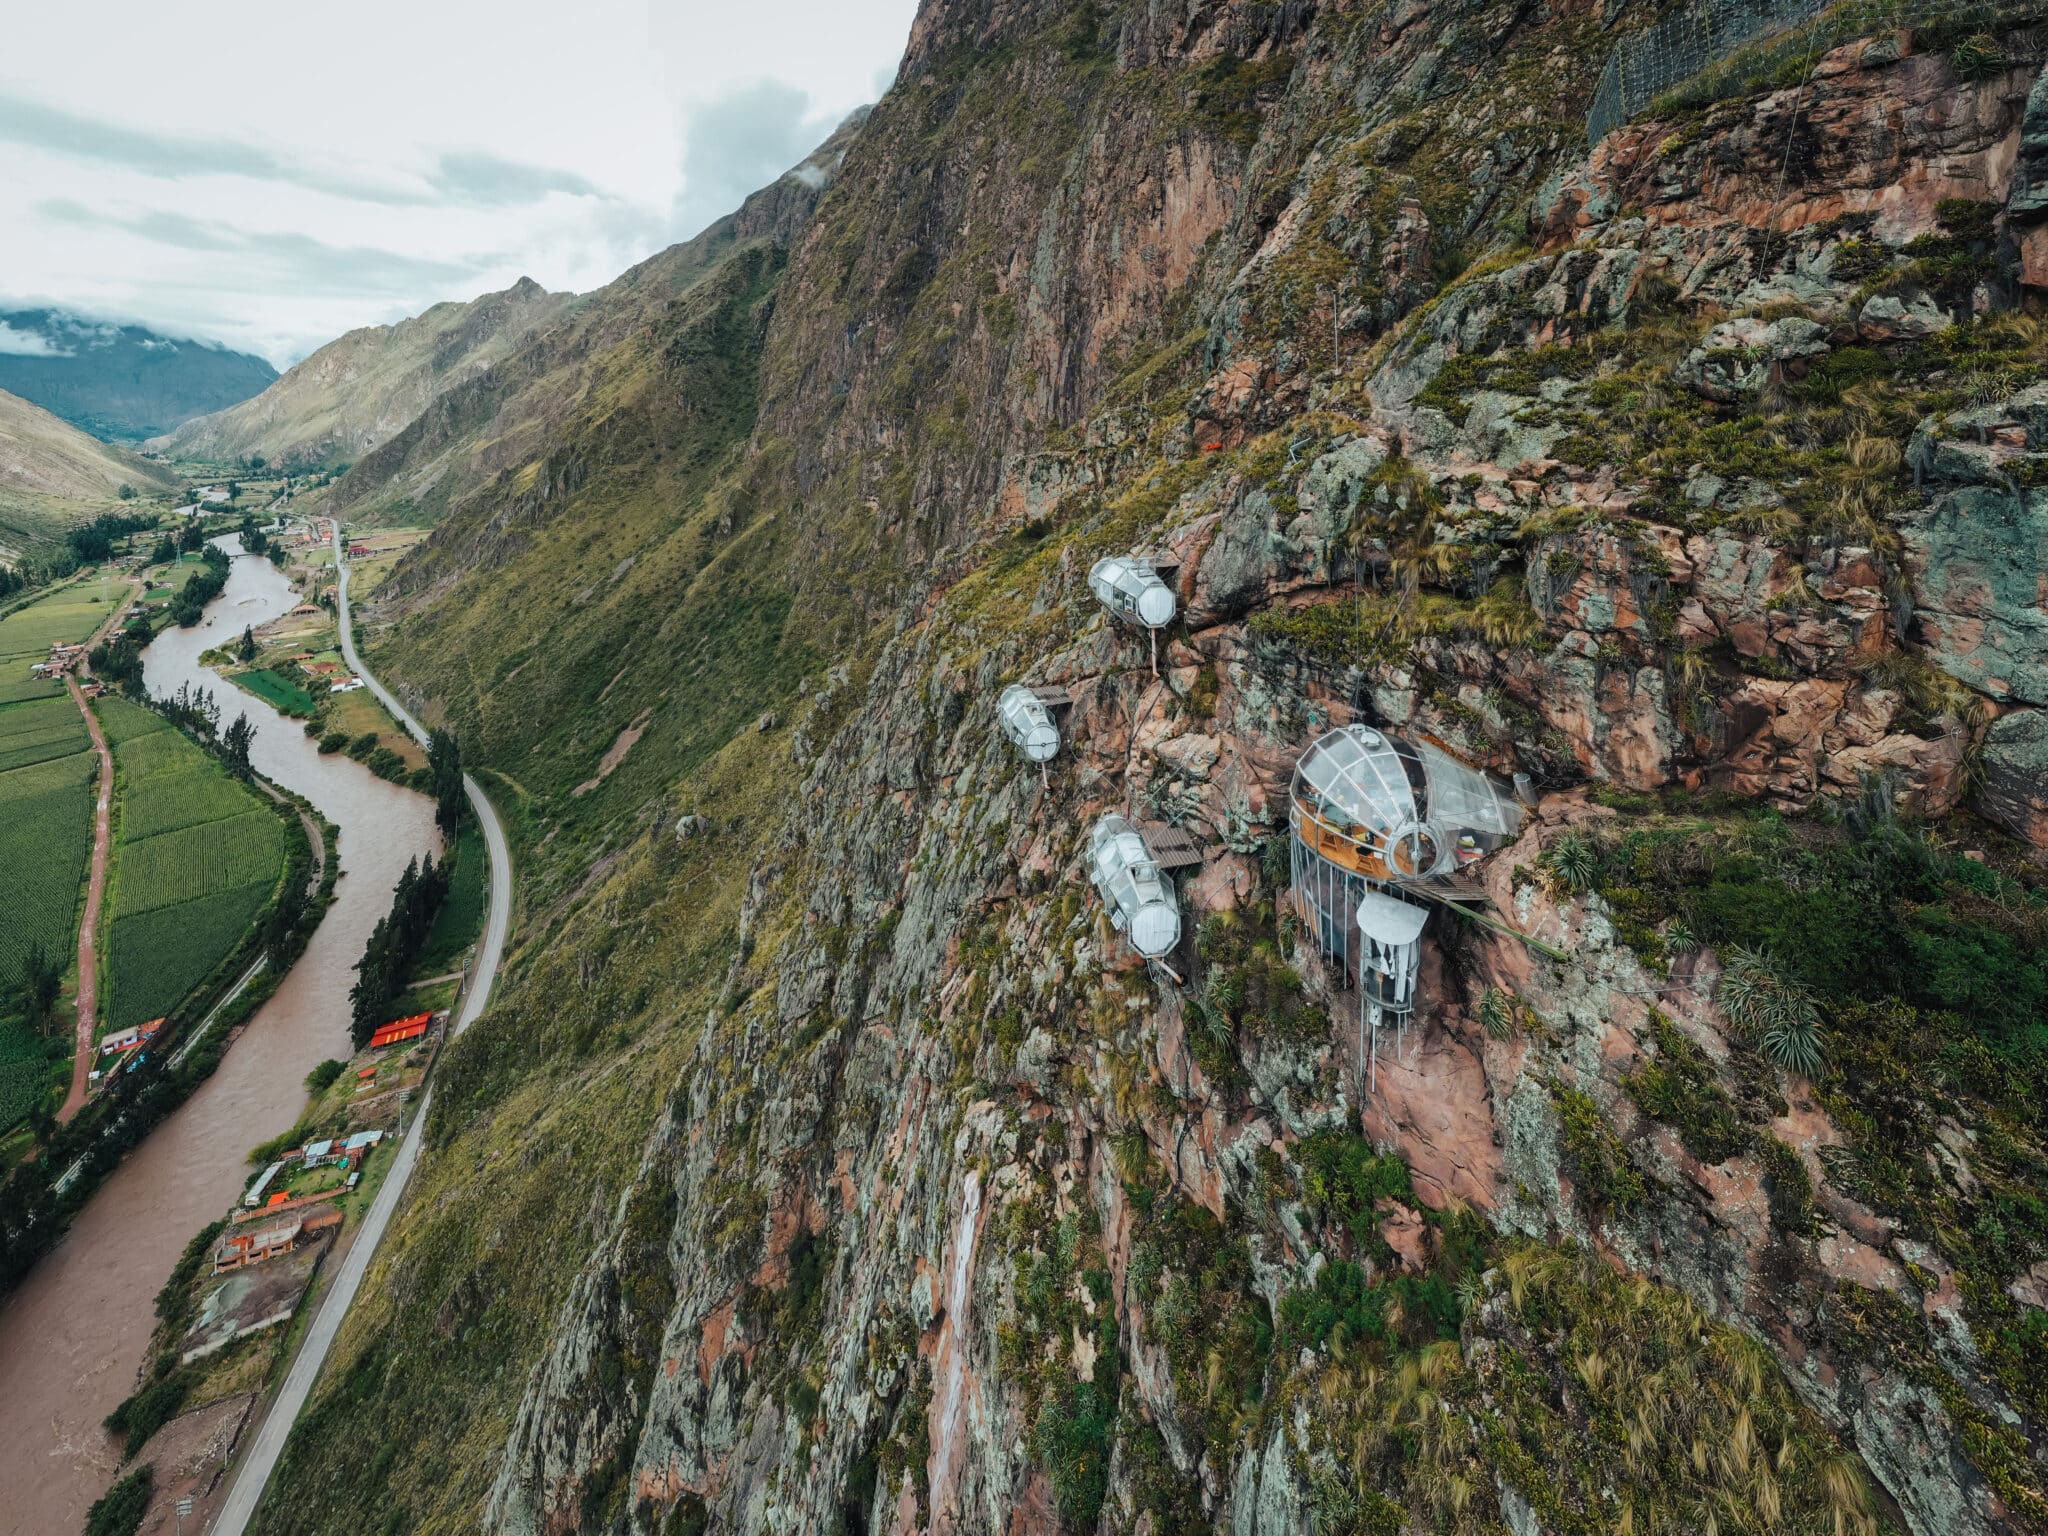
(53, 475)
(359, 390)
(829, 1163)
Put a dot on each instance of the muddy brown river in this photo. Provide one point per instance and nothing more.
(72, 1337)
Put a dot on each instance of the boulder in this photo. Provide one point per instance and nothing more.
(1914, 318)
(2015, 768)
(1737, 358)
(1977, 580)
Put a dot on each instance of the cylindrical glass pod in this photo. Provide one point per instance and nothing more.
(1141, 900)
(1028, 723)
(1132, 591)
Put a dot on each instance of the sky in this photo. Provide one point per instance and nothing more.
(268, 176)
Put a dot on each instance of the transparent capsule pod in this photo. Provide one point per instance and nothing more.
(1377, 818)
(1129, 588)
(1382, 807)
(1141, 900)
(1028, 723)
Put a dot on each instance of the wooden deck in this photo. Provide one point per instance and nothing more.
(1346, 852)
(1170, 847)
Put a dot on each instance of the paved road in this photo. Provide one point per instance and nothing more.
(263, 1451)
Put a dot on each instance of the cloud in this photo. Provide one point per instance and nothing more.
(471, 178)
(300, 262)
(15, 343)
(740, 142)
(489, 181)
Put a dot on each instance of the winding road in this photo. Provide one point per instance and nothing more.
(269, 1440)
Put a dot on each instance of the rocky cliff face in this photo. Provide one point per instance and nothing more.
(840, 1170)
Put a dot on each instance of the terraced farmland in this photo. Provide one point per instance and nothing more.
(196, 857)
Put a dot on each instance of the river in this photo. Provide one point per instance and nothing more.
(73, 1336)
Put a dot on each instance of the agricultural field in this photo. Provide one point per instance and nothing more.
(64, 616)
(197, 856)
(39, 729)
(45, 843)
(279, 692)
(26, 1067)
(384, 548)
(45, 828)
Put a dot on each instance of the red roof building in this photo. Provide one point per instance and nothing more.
(399, 1030)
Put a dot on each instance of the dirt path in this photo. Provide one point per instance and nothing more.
(95, 890)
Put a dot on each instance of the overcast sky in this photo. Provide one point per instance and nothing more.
(272, 175)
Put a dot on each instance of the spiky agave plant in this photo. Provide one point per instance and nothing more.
(1497, 1014)
(1776, 1014)
(1571, 863)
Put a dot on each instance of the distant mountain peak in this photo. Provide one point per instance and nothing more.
(116, 379)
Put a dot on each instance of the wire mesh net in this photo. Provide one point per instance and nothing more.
(1694, 38)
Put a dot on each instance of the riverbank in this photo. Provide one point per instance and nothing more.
(75, 1332)
(253, 1474)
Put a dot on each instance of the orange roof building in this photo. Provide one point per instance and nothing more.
(400, 1030)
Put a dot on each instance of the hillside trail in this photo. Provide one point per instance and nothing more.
(96, 884)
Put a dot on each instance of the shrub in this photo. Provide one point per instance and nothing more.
(119, 1512)
(321, 1076)
(1778, 1016)
(144, 1412)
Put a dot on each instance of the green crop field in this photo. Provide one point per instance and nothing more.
(200, 860)
(63, 617)
(155, 958)
(122, 721)
(38, 730)
(280, 692)
(16, 683)
(196, 858)
(45, 841)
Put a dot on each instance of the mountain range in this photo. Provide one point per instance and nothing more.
(359, 390)
(119, 381)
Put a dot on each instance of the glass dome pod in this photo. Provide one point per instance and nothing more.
(1141, 900)
(1132, 590)
(1380, 824)
(1383, 807)
(1028, 723)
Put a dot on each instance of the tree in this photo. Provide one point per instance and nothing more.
(166, 551)
(42, 976)
(247, 649)
(444, 762)
(285, 915)
(235, 743)
(191, 539)
(126, 493)
(394, 943)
